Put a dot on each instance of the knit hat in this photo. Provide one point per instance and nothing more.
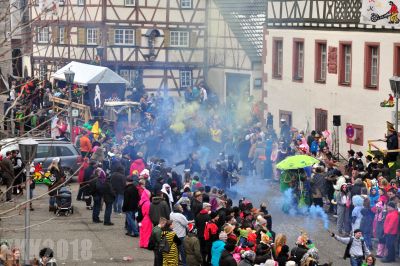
(290, 263)
(357, 231)
(250, 255)
(270, 263)
(223, 236)
(192, 228)
(206, 204)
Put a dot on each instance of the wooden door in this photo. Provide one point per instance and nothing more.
(321, 120)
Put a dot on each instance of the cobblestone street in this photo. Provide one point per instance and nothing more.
(77, 241)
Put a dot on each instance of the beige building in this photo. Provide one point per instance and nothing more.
(318, 65)
(167, 45)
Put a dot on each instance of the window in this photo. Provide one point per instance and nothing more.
(186, 3)
(63, 151)
(298, 60)
(345, 64)
(81, 2)
(43, 151)
(129, 75)
(277, 58)
(185, 78)
(124, 36)
(43, 35)
(396, 60)
(320, 61)
(287, 116)
(179, 38)
(61, 32)
(358, 138)
(371, 65)
(129, 2)
(91, 36)
(42, 71)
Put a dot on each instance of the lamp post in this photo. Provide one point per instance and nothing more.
(27, 149)
(395, 87)
(69, 78)
(100, 52)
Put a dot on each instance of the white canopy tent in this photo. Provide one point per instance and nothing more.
(86, 74)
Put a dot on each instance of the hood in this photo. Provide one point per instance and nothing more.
(204, 211)
(157, 200)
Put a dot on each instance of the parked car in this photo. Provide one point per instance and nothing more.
(47, 150)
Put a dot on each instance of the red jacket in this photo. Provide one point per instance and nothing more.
(391, 225)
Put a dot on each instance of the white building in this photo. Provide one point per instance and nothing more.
(318, 64)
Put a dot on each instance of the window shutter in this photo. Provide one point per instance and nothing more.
(66, 35)
(193, 39)
(166, 38)
(138, 37)
(54, 34)
(82, 36)
(111, 36)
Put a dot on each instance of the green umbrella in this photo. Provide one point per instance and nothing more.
(296, 162)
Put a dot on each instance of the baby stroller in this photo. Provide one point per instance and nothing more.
(64, 202)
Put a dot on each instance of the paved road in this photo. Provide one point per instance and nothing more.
(77, 241)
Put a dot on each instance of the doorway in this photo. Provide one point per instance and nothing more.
(321, 120)
(237, 87)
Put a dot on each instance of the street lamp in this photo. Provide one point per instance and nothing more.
(395, 86)
(27, 150)
(69, 78)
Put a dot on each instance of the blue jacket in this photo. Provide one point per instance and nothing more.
(216, 251)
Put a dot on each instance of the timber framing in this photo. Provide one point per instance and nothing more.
(318, 14)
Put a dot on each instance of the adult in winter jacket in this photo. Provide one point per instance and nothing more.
(343, 209)
(197, 203)
(367, 221)
(356, 250)
(130, 207)
(170, 258)
(87, 178)
(211, 234)
(201, 219)
(156, 238)
(217, 248)
(390, 229)
(6, 168)
(85, 145)
(137, 165)
(146, 225)
(226, 256)
(118, 182)
(180, 225)
(109, 198)
(192, 247)
(158, 208)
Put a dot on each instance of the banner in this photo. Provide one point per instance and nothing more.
(381, 13)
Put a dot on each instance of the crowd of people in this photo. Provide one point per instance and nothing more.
(188, 216)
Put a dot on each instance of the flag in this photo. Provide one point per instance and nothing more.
(380, 13)
(96, 130)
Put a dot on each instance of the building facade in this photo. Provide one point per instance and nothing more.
(166, 45)
(320, 62)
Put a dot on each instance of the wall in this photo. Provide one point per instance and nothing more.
(355, 104)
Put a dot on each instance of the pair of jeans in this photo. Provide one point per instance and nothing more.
(119, 199)
(131, 223)
(181, 249)
(96, 208)
(368, 240)
(107, 212)
(52, 201)
(80, 193)
(356, 261)
(390, 243)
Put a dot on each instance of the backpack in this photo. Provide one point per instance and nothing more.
(164, 246)
(140, 216)
(347, 251)
(152, 241)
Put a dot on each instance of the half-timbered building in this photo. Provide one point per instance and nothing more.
(321, 62)
(167, 45)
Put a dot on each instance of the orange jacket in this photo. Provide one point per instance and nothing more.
(86, 145)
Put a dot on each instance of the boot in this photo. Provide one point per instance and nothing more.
(380, 253)
(30, 206)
